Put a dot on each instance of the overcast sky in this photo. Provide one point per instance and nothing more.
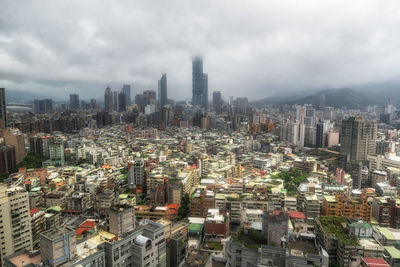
(250, 48)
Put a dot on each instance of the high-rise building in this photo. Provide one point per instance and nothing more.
(139, 101)
(121, 102)
(149, 98)
(136, 175)
(126, 89)
(74, 101)
(56, 152)
(322, 129)
(15, 138)
(7, 159)
(162, 84)
(3, 112)
(93, 104)
(199, 84)
(108, 99)
(41, 106)
(358, 139)
(217, 102)
(5, 225)
(115, 101)
(15, 222)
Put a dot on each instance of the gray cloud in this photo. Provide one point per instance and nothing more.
(254, 48)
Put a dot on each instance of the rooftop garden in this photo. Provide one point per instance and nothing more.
(334, 226)
(292, 179)
(253, 239)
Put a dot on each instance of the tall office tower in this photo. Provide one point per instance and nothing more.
(322, 129)
(358, 139)
(121, 102)
(205, 91)
(74, 101)
(357, 142)
(126, 89)
(217, 102)
(199, 84)
(115, 102)
(93, 103)
(139, 101)
(42, 106)
(108, 99)
(149, 98)
(3, 113)
(162, 84)
(242, 104)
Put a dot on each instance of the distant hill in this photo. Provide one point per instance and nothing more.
(20, 96)
(338, 98)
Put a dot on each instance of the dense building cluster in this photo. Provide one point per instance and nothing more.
(154, 182)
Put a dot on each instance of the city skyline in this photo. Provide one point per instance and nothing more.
(267, 49)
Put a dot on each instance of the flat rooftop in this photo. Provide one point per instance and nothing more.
(302, 247)
(24, 259)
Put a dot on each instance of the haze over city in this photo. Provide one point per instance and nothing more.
(255, 49)
(199, 133)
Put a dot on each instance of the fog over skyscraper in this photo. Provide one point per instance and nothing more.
(199, 84)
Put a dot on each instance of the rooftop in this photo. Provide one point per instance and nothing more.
(393, 252)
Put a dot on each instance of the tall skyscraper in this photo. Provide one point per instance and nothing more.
(41, 106)
(357, 142)
(162, 84)
(74, 101)
(108, 99)
(199, 84)
(126, 89)
(358, 139)
(121, 102)
(217, 101)
(115, 101)
(3, 113)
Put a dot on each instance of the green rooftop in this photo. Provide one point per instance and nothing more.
(195, 227)
(55, 208)
(393, 252)
(330, 198)
(386, 233)
(334, 226)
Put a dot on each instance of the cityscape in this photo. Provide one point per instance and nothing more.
(174, 172)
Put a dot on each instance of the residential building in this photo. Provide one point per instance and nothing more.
(350, 207)
(121, 219)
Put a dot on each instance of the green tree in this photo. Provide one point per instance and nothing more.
(32, 161)
(3, 176)
(183, 210)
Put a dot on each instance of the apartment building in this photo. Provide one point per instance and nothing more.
(351, 207)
